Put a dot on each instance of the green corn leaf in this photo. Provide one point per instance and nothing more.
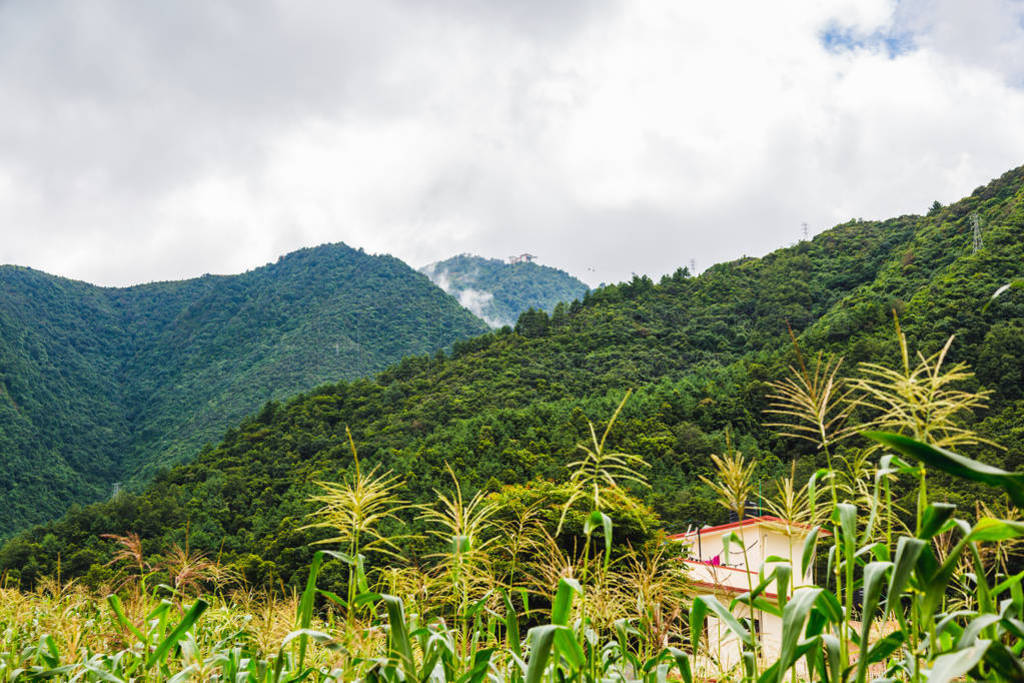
(361, 583)
(479, 605)
(569, 649)
(955, 464)
(907, 552)
(935, 516)
(874, 580)
(698, 614)
(927, 564)
(316, 636)
(949, 623)
(599, 519)
(333, 597)
(719, 610)
(1004, 661)
(974, 628)
(807, 556)
(542, 640)
(793, 618)
(986, 603)
(878, 550)
(103, 674)
(118, 608)
(366, 598)
(1012, 584)
(54, 673)
(749, 664)
(806, 647)
(682, 661)
(157, 620)
(939, 580)
(562, 605)
(179, 631)
(832, 662)
(885, 647)
(47, 651)
(760, 603)
(401, 646)
(728, 540)
(783, 572)
(955, 665)
(302, 676)
(988, 529)
(305, 612)
(1014, 627)
(828, 605)
(511, 625)
(762, 585)
(481, 664)
(846, 515)
(432, 648)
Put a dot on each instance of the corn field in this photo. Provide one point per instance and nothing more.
(921, 594)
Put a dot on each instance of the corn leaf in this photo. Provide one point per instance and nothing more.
(955, 464)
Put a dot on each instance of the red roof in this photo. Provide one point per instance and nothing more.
(749, 521)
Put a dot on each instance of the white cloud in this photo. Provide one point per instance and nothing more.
(476, 301)
(609, 138)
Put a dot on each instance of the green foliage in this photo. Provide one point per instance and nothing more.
(101, 385)
(499, 292)
(509, 408)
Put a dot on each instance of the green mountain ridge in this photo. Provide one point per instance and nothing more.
(498, 291)
(511, 406)
(102, 385)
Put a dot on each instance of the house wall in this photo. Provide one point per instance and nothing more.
(731, 577)
(762, 542)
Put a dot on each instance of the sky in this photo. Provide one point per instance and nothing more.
(144, 141)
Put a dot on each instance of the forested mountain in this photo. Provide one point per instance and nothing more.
(498, 291)
(102, 385)
(509, 407)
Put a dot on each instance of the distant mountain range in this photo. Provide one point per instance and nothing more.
(498, 291)
(100, 386)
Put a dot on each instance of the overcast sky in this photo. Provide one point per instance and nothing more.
(159, 140)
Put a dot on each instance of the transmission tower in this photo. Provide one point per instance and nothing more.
(805, 231)
(976, 229)
(693, 267)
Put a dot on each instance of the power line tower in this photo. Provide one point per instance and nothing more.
(976, 229)
(805, 231)
(693, 267)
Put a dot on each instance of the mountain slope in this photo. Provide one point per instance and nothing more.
(102, 385)
(511, 406)
(498, 291)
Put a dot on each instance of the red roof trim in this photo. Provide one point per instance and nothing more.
(718, 566)
(749, 521)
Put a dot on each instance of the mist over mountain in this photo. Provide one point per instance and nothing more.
(100, 387)
(498, 291)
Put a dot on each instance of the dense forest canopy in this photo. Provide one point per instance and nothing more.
(499, 291)
(509, 408)
(103, 385)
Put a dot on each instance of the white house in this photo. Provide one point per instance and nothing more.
(714, 572)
